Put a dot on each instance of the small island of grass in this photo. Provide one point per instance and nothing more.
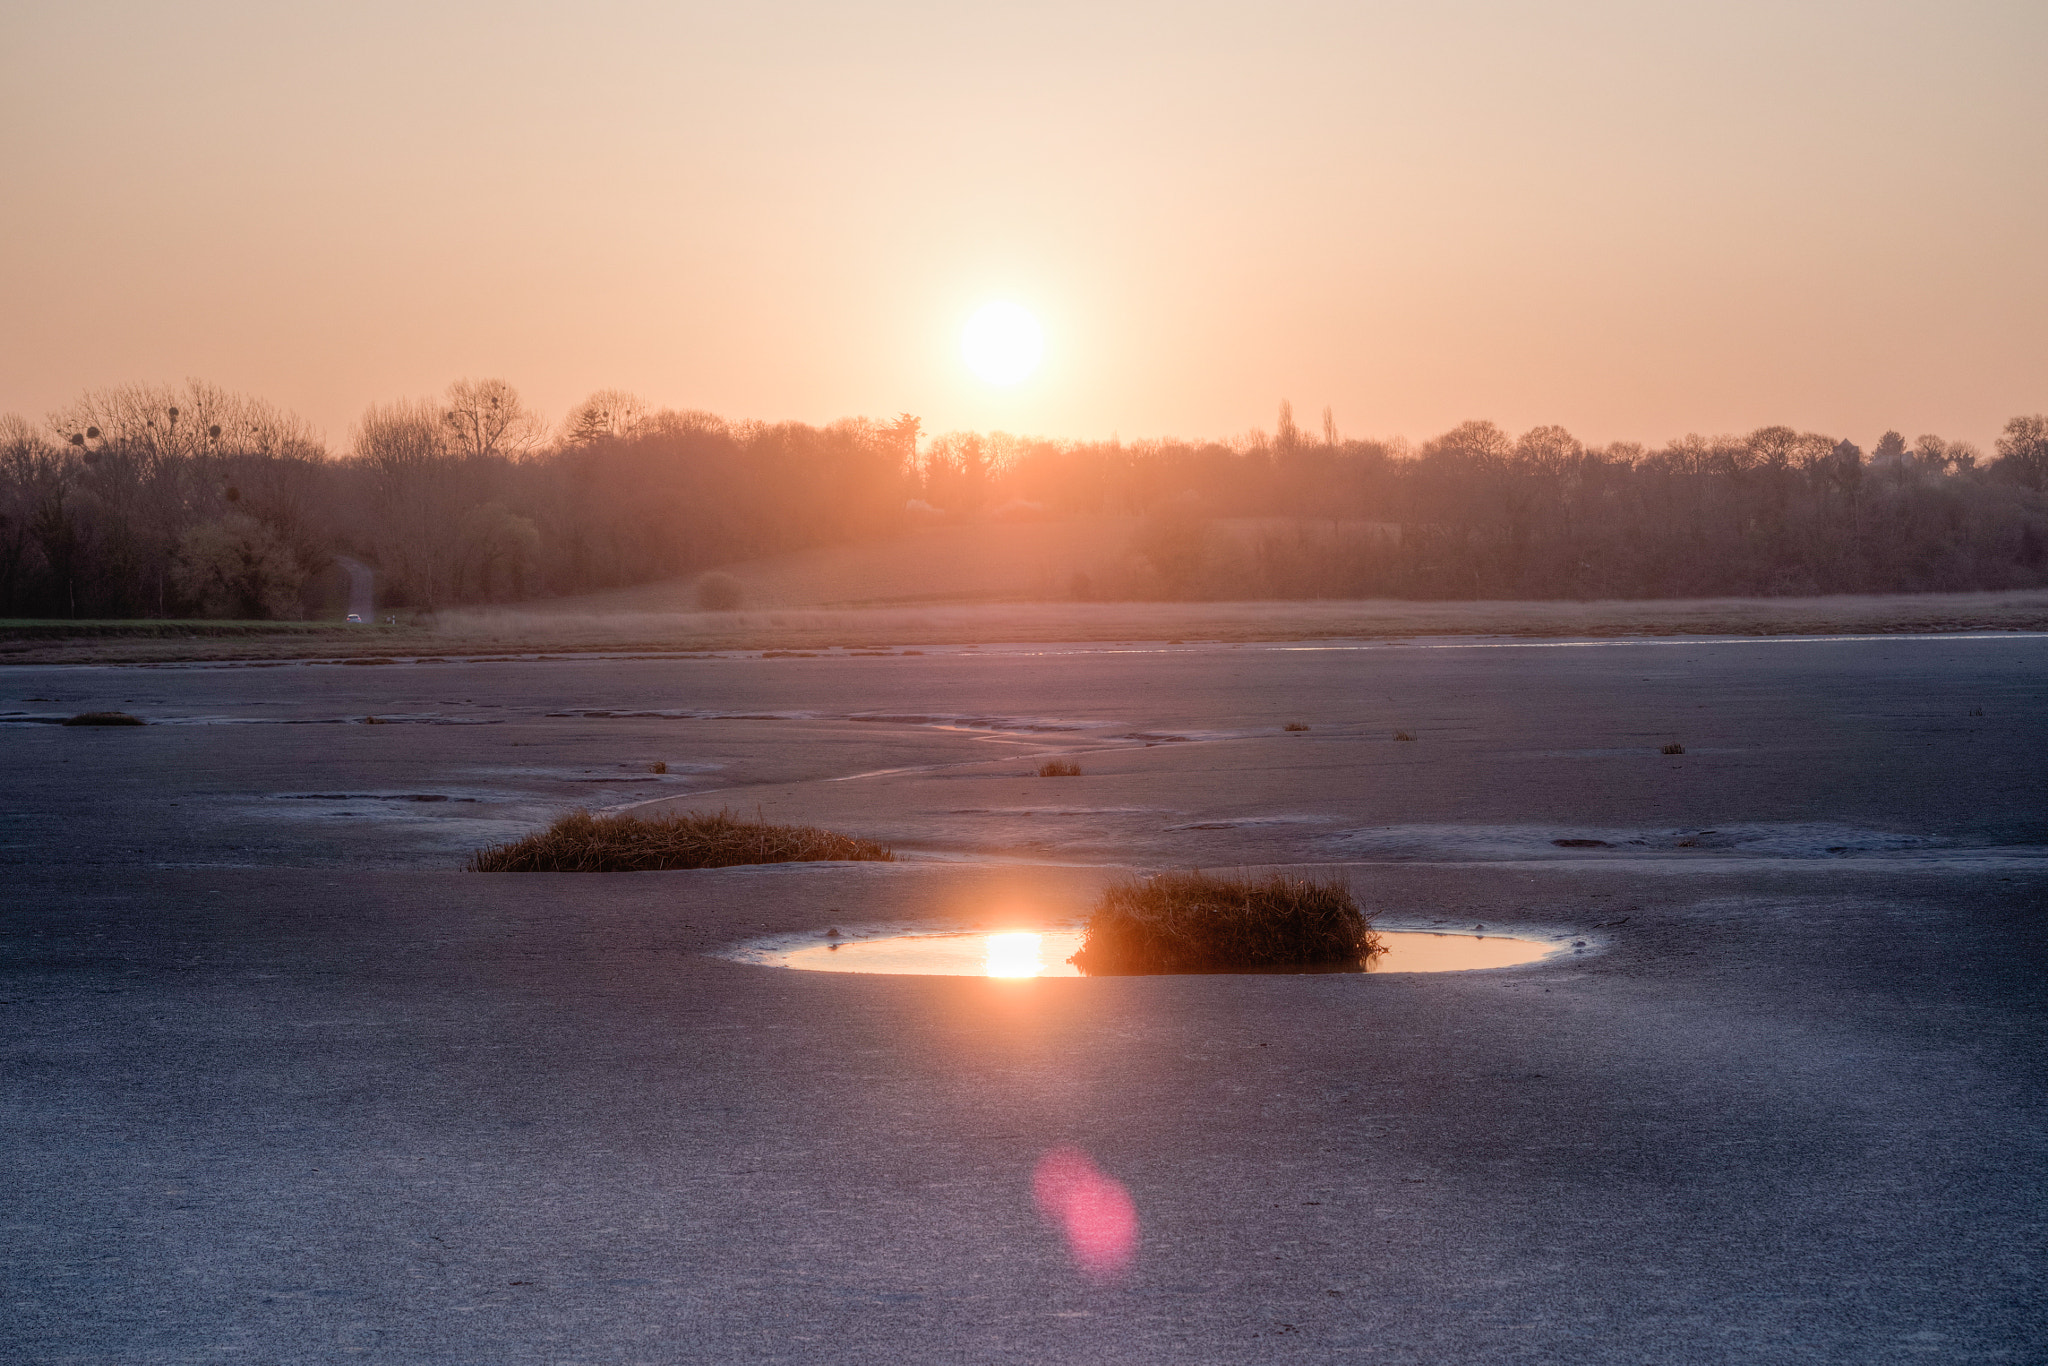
(583, 843)
(1199, 922)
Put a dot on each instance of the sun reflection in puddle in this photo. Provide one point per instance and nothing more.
(1044, 953)
(1014, 955)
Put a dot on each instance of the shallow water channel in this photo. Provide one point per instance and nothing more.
(1044, 953)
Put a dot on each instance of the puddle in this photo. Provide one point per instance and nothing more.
(1044, 953)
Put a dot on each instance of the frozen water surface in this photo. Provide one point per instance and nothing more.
(281, 1083)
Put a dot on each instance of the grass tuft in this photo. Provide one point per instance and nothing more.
(1059, 768)
(658, 766)
(1402, 735)
(105, 718)
(582, 843)
(1672, 748)
(1295, 725)
(1198, 922)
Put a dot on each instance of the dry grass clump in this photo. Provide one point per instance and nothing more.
(1059, 768)
(582, 843)
(1402, 735)
(1295, 725)
(105, 718)
(1198, 922)
(1673, 748)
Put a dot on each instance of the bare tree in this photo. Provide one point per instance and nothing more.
(1285, 434)
(608, 413)
(162, 422)
(2023, 451)
(485, 418)
(1480, 444)
(400, 435)
(28, 466)
(1932, 457)
(413, 499)
(1549, 450)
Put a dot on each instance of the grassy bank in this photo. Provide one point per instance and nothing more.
(566, 628)
(161, 628)
(583, 843)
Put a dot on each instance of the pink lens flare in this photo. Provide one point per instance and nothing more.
(1093, 1210)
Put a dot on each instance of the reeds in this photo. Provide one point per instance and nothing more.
(1059, 768)
(582, 843)
(1673, 748)
(1198, 922)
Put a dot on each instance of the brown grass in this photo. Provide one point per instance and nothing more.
(1673, 748)
(105, 718)
(1295, 725)
(1059, 768)
(1198, 922)
(582, 843)
(662, 617)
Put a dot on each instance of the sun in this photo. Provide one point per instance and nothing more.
(1002, 343)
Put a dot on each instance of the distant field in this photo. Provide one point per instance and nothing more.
(1378, 618)
(981, 562)
(1024, 561)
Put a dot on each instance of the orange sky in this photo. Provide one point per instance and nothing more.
(1633, 219)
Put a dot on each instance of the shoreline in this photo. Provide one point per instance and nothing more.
(534, 630)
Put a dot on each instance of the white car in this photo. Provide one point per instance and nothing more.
(354, 620)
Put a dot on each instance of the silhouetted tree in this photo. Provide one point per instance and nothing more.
(486, 419)
(235, 566)
(606, 414)
(2023, 452)
(128, 507)
(901, 436)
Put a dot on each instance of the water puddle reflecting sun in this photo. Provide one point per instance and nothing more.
(1044, 953)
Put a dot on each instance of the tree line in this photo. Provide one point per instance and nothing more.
(158, 502)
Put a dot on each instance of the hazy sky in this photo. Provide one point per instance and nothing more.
(1637, 220)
